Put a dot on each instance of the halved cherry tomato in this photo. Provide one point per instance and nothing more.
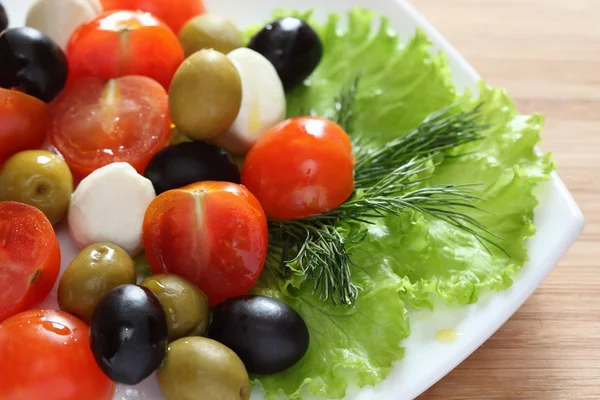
(302, 167)
(124, 43)
(96, 122)
(23, 122)
(174, 12)
(29, 258)
(46, 355)
(212, 233)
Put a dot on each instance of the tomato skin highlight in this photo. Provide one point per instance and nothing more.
(23, 122)
(124, 43)
(212, 233)
(175, 13)
(29, 257)
(95, 123)
(46, 355)
(302, 167)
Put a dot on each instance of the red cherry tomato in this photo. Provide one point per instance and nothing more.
(23, 122)
(302, 167)
(46, 355)
(174, 12)
(124, 43)
(95, 123)
(29, 258)
(212, 233)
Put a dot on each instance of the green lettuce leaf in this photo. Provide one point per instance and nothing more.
(412, 259)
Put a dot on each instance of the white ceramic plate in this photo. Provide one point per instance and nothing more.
(558, 220)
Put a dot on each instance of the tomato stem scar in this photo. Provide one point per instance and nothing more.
(109, 100)
(198, 195)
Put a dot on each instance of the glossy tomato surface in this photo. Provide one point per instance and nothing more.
(212, 233)
(46, 355)
(174, 12)
(29, 258)
(96, 122)
(302, 167)
(23, 122)
(124, 43)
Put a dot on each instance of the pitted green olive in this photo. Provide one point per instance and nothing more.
(40, 179)
(205, 95)
(209, 31)
(201, 368)
(93, 272)
(185, 304)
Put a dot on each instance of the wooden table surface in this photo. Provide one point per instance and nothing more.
(547, 54)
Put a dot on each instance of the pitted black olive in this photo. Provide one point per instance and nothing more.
(292, 46)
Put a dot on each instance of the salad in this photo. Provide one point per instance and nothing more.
(254, 207)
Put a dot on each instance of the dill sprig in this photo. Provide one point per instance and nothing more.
(389, 180)
(316, 251)
(345, 106)
(441, 131)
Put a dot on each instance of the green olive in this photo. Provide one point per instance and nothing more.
(209, 31)
(40, 179)
(92, 273)
(201, 368)
(185, 304)
(205, 95)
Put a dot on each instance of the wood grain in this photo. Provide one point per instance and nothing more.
(547, 54)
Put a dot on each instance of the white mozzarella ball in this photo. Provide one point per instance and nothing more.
(263, 101)
(59, 18)
(109, 206)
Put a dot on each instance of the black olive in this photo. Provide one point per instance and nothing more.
(128, 334)
(292, 46)
(3, 18)
(269, 336)
(186, 163)
(32, 62)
